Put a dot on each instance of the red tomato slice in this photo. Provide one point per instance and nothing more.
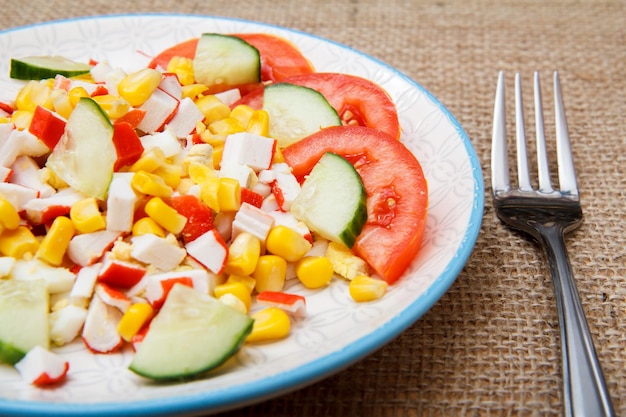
(397, 192)
(357, 100)
(279, 57)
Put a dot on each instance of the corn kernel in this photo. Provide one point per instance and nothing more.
(150, 161)
(183, 68)
(345, 263)
(193, 91)
(134, 319)
(246, 280)
(278, 156)
(51, 178)
(259, 123)
(18, 243)
(214, 140)
(170, 173)
(234, 302)
(226, 126)
(165, 216)
(76, 94)
(217, 156)
(243, 254)
(229, 194)
(237, 289)
(269, 324)
(30, 96)
(363, 288)
(114, 107)
(54, 245)
(63, 105)
(242, 112)
(314, 271)
(286, 242)
(86, 216)
(9, 217)
(212, 108)
(21, 119)
(150, 184)
(146, 225)
(138, 86)
(270, 273)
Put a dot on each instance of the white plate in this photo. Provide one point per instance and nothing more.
(337, 332)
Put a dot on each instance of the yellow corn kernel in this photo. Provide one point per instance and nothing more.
(193, 91)
(51, 178)
(133, 320)
(242, 112)
(170, 173)
(345, 263)
(63, 105)
(183, 68)
(226, 126)
(217, 156)
(229, 194)
(212, 108)
(114, 107)
(259, 123)
(86, 216)
(76, 94)
(364, 288)
(246, 280)
(30, 96)
(286, 242)
(314, 271)
(243, 254)
(165, 216)
(18, 243)
(21, 119)
(270, 273)
(271, 323)
(9, 217)
(53, 246)
(234, 302)
(150, 161)
(237, 289)
(146, 225)
(150, 184)
(278, 156)
(209, 184)
(200, 173)
(214, 140)
(138, 86)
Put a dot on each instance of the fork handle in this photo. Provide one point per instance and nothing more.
(584, 388)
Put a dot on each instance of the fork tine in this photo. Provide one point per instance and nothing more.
(545, 185)
(567, 173)
(523, 177)
(500, 181)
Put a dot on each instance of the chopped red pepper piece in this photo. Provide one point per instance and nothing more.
(47, 126)
(127, 145)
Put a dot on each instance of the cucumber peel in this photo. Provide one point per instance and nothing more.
(332, 201)
(43, 67)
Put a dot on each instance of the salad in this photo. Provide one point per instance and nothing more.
(186, 209)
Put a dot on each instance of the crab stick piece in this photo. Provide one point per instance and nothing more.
(128, 147)
(160, 107)
(44, 210)
(41, 367)
(159, 284)
(84, 285)
(291, 303)
(210, 250)
(21, 142)
(26, 172)
(47, 126)
(162, 253)
(121, 203)
(245, 148)
(185, 119)
(100, 330)
(87, 248)
(120, 273)
(252, 220)
(18, 195)
(112, 297)
(66, 323)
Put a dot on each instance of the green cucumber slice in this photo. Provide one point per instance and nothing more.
(225, 61)
(192, 333)
(85, 156)
(332, 201)
(296, 112)
(23, 318)
(43, 67)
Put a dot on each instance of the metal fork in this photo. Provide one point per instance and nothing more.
(547, 214)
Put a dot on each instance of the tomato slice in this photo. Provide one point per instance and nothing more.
(397, 192)
(357, 100)
(279, 57)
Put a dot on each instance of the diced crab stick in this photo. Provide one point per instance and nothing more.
(42, 367)
(18, 195)
(66, 323)
(185, 119)
(87, 248)
(159, 285)
(292, 303)
(162, 253)
(251, 197)
(44, 210)
(160, 108)
(210, 250)
(113, 297)
(120, 273)
(61, 82)
(285, 187)
(285, 218)
(26, 172)
(100, 329)
(199, 215)
(5, 174)
(165, 141)
(83, 287)
(249, 149)
(128, 147)
(47, 126)
(5, 131)
(252, 220)
(121, 203)
(21, 142)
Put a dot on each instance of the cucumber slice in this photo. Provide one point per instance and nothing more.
(85, 155)
(296, 112)
(23, 318)
(42, 67)
(332, 201)
(192, 333)
(224, 61)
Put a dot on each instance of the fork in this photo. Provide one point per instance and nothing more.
(547, 214)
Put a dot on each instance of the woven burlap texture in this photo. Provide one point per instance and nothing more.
(490, 346)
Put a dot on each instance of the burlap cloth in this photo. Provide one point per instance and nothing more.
(490, 346)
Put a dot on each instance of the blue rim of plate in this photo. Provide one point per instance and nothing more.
(254, 392)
